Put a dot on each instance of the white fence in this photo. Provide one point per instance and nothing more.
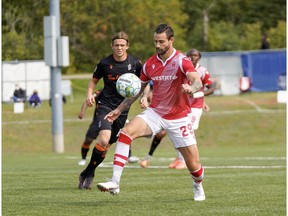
(30, 75)
(227, 68)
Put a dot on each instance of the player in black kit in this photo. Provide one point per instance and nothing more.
(109, 68)
(90, 134)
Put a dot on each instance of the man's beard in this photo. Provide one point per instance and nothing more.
(161, 51)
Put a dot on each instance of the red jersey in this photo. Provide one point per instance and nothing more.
(168, 100)
(205, 78)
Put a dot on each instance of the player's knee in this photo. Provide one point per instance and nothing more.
(88, 141)
(125, 130)
(161, 134)
(104, 143)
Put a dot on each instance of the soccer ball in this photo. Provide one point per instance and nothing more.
(128, 85)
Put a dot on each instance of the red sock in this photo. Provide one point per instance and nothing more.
(121, 156)
(122, 149)
(198, 175)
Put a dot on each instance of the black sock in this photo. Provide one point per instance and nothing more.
(84, 152)
(96, 159)
(156, 141)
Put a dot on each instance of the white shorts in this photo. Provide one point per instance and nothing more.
(195, 115)
(180, 131)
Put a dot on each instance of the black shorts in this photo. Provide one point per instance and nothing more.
(99, 124)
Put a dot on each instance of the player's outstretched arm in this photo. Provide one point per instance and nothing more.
(126, 103)
(82, 111)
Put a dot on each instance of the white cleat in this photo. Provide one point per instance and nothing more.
(82, 162)
(133, 159)
(110, 187)
(199, 194)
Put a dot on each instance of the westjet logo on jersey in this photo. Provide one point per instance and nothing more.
(164, 78)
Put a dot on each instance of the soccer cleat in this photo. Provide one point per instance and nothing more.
(181, 165)
(199, 194)
(81, 182)
(111, 187)
(88, 182)
(133, 159)
(144, 163)
(175, 163)
(82, 162)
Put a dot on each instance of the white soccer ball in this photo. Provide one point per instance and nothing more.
(128, 85)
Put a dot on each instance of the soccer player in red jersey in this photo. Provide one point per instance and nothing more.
(174, 80)
(197, 107)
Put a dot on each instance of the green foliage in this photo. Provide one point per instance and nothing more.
(22, 30)
(231, 25)
(19, 46)
(239, 16)
(220, 41)
(90, 31)
(13, 46)
(250, 36)
(277, 35)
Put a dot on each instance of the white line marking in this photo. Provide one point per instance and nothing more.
(203, 158)
(205, 167)
(252, 103)
(231, 112)
(130, 166)
(43, 121)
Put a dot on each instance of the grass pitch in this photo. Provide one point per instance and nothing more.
(242, 144)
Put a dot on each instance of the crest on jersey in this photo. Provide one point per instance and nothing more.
(153, 66)
(129, 66)
(173, 64)
(110, 66)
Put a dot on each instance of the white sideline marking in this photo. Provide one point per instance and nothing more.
(44, 121)
(252, 103)
(137, 166)
(205, 158)
(231, 112)
(205, 167)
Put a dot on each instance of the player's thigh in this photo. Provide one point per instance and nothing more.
(180, 132)
(137, 127)
(92, 131)
(116, 127)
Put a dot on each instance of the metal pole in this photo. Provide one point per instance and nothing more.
(56, 94)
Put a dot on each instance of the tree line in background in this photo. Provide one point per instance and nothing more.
(210, 25)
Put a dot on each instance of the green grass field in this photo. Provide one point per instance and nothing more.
(242, 144)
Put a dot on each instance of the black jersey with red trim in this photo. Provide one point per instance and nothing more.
(110, 70)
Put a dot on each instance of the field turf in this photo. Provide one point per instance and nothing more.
(242, 143)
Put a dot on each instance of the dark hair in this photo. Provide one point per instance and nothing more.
(120, 35)
(190, 52)
(161, 28)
